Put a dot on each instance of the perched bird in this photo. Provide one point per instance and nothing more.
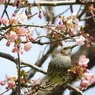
(58, 67)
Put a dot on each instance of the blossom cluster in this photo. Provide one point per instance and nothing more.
(79, 68)
(69, 27)
(87, 80)
(17, 34)
(81, 73)
(10, 83)
(34, 87)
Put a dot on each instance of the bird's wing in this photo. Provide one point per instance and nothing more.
(58, 68)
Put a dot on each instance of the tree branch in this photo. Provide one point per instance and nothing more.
(79, 92)
(81, 14)
(13, 59)
(86, 18)
(18, 70)
(53, 3)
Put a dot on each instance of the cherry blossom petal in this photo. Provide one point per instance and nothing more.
(61, 27)
(27, 46)
(21, 31)
(12, 36)
(22, 17)
(87, 80)
(11, 84)
(80, 40)
(4, 21)
(83, 61)
(75, 20)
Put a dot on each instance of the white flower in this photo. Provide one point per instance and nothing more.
(27, 46)
(75, 20)
(80, 40)
(83, 61)
(22, 17)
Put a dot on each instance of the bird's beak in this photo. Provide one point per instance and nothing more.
(73, 46)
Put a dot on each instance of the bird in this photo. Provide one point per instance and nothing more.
(58, 67)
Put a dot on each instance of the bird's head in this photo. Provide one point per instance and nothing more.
(66, 50)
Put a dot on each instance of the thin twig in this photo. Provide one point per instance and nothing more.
(62, 12)
(86, 18)
(5, 10)
(17, 9)
(13, 59)
(79, 92)
(81, 14)
(18, 68)
(71, 8)
(4, 92)
(79, 9)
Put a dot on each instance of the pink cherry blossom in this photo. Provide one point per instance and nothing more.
(31, 31)
(8, 43)
(80, 40)
(83, 61)
(75, 27)
(12, 36)
(84, 84)
(87, 80)
(92, 79)
(91, 38)
(87, 76)
(21, 31)
(21, 51)
(22, 17)
(87, 71)
(75, 20)
(61, 27)
(27, 46)
(11, 84)
(4, 21)
(2, 1)
(29, 35)
(2, 83)
(87, 45)
(54, 33)
(15, 50)
(13, 20)
(9, 78)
